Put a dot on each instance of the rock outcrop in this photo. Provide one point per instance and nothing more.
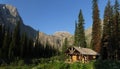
(57, 39)
(88, 35)
(9, 17)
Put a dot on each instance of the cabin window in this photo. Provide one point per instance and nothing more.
(94, 57)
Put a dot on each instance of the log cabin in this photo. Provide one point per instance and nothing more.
(78, 54)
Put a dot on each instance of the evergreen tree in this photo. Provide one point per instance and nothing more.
(115, 36)
(26, 47)
(79, 36)
(96, 28)
(6, 43)
(11, 54)
(64, 47)
(16, 39)
(14, 50)
(1, 36)
(76, 35)
(47, 50)
(36, 47)
(119, 37)
(2, 33)
(106, 50)
(23, 43)
(0, 40)
(80, 31)
(29, 47)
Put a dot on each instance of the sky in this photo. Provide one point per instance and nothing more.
(49, 16)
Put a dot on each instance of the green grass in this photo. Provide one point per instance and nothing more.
(16, 67)
(62, 65)
(55, 64)
(51, 65)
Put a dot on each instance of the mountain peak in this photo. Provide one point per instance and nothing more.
(61, 32)
(9, 17)
(9, 9)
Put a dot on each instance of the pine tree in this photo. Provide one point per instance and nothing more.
(64, 47)
(23, 46)
(31, 47)
(16, 38)
(1, 36)
(80, 29)
(116, 30)
(47, 50)
(79, 36)
(14, 50)
(96, 28)
(27, 46)
(0, 40)
(76, 35)
(2, 33)
(11, 54)
(6, 43)
(106, 49)
(119, 37)
(36, 47)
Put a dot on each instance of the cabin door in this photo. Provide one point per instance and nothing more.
(74, 58)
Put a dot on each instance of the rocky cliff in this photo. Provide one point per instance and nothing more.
(9, 17)
(57, 39)
(88, 35)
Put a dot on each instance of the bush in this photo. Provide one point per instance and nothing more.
(107, 64)
(21, 63)
(65, 66)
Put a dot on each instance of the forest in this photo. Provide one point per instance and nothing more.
(15, 46)
(17, 49)
(105, 33)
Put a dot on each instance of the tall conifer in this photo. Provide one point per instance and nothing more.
(106, 49)
(76, 34)
(116, 29)
(80, 30)
(96, 28)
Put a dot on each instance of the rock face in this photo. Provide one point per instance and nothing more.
(88, 35)
(57, 39)
(9, 17)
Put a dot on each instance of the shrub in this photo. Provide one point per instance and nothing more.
(21, 63)
(107, 64)
(65, 66)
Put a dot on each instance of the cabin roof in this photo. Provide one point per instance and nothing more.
(85, 51)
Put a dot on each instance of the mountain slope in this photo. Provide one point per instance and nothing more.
(57, 39)
(9, 17)
(88, 35)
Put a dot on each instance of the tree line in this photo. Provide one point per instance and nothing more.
(110, 43)
(105, 37)
(17, 45)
